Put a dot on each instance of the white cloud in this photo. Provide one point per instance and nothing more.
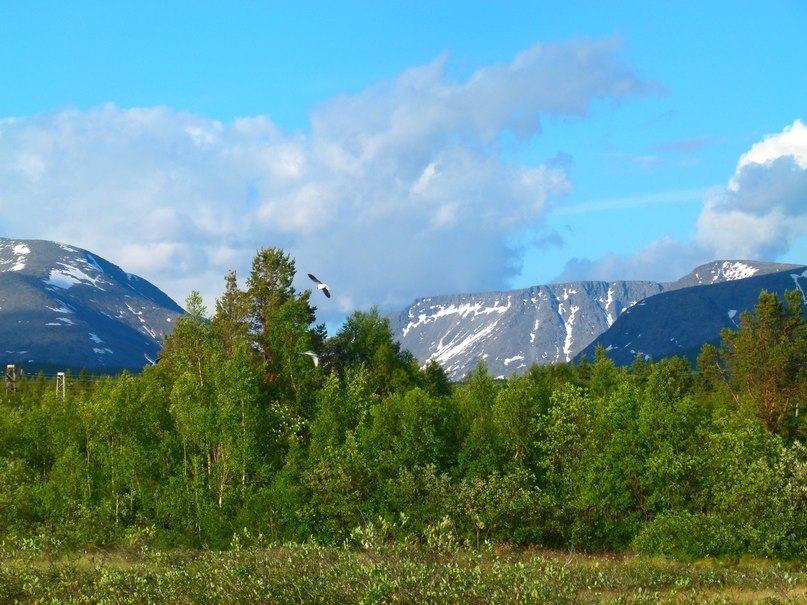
(789, 143)
(397, 191)
(764, 208)
(759, 215)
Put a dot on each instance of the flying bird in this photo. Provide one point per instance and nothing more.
(150, 360)
(321, 286)
(313, 356)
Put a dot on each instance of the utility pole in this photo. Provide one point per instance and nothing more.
(60, 384)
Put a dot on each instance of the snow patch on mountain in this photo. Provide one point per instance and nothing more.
(610, 316)
(460, 344)
(569, 325)
(92, 261)
(535, 330)
(61, 321)
(13, 255)
(725, 271)
(68, 276)
(61, 308)
(796, 277)
(462, 311)
(509, 360)
(735, 270)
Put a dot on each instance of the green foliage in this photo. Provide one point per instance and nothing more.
(365, 341)
(231, 321)
(604, 374)
(514, 412)
(500, 508)
(415, 500)
(343, 405)
(688, 536)
(764, 361)
(479, 453)
(236, 434)
(339, 487)
(16, 485)
(372, 572)
(409, 430)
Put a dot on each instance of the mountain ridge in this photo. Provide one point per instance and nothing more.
(63, 305)
(675, 324)
(511, 330)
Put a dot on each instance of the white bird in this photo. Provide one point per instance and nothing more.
(313, 356)
(321, 286)
(150, 360)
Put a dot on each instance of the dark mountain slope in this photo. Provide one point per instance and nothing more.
(63, 306)
(681, 321)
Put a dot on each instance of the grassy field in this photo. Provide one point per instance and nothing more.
(390, 574)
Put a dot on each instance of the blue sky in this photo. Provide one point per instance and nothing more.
(401, 150)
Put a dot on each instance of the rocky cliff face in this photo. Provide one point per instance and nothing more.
(543, 324)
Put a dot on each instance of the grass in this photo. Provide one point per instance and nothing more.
(399, 573)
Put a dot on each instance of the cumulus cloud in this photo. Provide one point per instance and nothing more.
(397, 191)
(759, 215)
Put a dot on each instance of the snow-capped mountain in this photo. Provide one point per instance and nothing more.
(63, 306)
(542, 324)
(680, 322)
(726, 270)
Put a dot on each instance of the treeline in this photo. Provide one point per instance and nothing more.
(237, 434)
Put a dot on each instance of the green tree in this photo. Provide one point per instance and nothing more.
(340, 487)
(343, 406)
(231, 321)
(281, 332)
(365, 340)
(500, 507)
(671, 423)
(514, 415)
(212, 404)
(411, 429)
(611, 496)
(281, 318)
(564, 444)
(603, 374)
(480, 453)
(766, 361)
(435, 379)
(125, 422)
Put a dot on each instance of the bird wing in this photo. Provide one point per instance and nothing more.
(314, 279)
(313, 356)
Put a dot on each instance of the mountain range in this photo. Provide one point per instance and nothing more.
(680, 322)
(553, 323)
(63, 307)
